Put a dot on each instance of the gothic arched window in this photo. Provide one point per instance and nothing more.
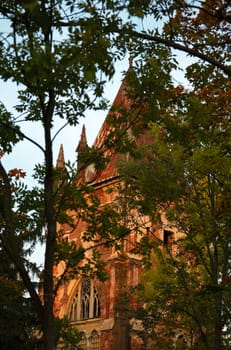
(83, 341)
(96, 304)
(73, 312)
(94, 341)
(85, 298)
(85, 303)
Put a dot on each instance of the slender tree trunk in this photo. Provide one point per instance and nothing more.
(218, 322)
(217, 343)
(49, 321)
(217, 303)
(49, 326)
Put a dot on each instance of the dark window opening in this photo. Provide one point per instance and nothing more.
(168, 235)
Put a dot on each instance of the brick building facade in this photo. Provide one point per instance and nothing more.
(100, 310)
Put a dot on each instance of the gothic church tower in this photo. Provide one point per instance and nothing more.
(100, 310)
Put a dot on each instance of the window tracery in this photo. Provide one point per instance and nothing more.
(83, 341)
(73, 313)
(96, 304)
(94, 341)
(85, 303)
(85, 298)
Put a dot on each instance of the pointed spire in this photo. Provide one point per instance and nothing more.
(130, 60)
(82, 145)
(83, 140)
(60, 163)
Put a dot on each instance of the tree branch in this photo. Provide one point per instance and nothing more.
(191, 51)
(20, 133)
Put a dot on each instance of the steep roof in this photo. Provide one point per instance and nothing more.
(121, 99)
(110, 170)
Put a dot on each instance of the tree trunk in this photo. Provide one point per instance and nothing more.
(49, 326)
(218, 321)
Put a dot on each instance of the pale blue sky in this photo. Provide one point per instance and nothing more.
(25, 154)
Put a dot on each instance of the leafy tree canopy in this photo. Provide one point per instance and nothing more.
(184, 171)
(60, 54)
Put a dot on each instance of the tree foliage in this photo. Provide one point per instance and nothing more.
(185, 172)
(18, 320)
(60, 54)
(199, 28)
